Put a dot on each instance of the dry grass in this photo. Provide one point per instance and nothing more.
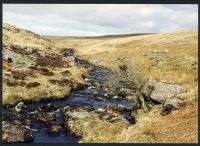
(25, 82)
(15, 91)
(24, 38)
(178, 66)
(182, 52)
(180, 126)
(94, 130)
(146, 59)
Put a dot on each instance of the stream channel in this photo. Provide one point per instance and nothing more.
(79, 98)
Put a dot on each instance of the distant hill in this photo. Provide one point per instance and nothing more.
(101, 37)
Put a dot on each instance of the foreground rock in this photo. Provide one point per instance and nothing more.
(172, 104)
(16, 133)
(81, 121)
(159, 91)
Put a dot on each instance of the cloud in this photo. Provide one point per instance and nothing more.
(100, 19)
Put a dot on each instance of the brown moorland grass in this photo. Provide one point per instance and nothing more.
(179, 65)
(181, 126)
(167, 57)
(27, 77)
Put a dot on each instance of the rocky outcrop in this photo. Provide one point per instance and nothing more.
(16, 133)
(160, 91)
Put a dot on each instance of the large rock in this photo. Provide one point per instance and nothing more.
(17, 133)
(160, 91)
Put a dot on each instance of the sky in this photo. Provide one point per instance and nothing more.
(101, 19)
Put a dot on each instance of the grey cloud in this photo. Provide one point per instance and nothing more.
(69, 19)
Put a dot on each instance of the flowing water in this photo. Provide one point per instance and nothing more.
(78, 98)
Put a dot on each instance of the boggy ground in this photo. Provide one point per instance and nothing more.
(165, 57)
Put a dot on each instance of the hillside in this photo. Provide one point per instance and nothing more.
(164, 57)
(146, 53)
(31, 64)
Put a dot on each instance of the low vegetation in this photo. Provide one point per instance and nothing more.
(165, 57)
(29, 62)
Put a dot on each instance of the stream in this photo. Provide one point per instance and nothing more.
(79, 98)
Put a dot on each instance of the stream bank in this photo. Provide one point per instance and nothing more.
(56, 121)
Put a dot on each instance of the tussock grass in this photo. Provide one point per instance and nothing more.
(147, 59)
(30, 80)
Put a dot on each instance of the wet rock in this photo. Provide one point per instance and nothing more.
(54, 128)
(91, 87)
(46, 108)
(159, 91)
(100, 110)
(116, 97)
(100, 99)
(20, 107)
(77, 112)
(97, 85)
(110, 116)
(116, 108)
(123, 92)
(86, 80)
(78, 115)
(17, 133)
(132, 98)
(44, 116)
(135, 101)
(95, 94)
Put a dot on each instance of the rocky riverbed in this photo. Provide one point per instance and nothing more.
(63, 121)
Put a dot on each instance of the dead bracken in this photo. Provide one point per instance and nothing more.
(15, 83)
(62, 82)
(66, 72)
(19, 75)
(33, 85)
(50, 61)
(45, 71)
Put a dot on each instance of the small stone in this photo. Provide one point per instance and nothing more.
(20, 107)
(115, 97)
(86, 80)
(54, 128)
(46, 108)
